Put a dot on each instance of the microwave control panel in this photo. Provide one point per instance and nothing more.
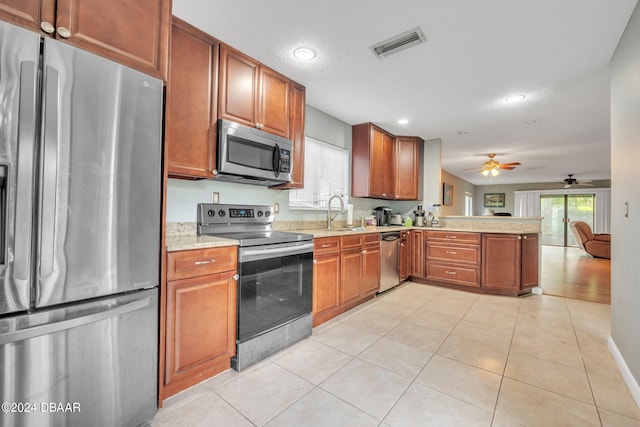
(285, 161)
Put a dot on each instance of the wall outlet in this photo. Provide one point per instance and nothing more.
(276, 208)
(215, 198)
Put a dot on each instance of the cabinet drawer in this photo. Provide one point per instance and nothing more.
(453, 253)
(455, 236)
(200, 262)
(352, 242)
(371, 240)
(326, 245)
(455, 274)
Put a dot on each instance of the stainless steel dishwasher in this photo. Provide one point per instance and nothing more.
(389, 262)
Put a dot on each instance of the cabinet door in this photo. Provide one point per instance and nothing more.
(403, 249)
(273, 114)
(351, 263)
(200, 329)
(417, 255)
(501, 261)
(326, 287)
(135, 33)
(239, 85)
(30, 14)
(191, 113)
(406, 168)
(530, 261)
(371, 270)
(381, 164)
(296, 133)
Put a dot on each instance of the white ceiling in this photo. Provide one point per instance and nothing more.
(477, 53)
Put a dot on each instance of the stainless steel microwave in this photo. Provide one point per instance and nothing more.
(252, 156)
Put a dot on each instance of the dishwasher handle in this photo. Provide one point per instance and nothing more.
(390, 236)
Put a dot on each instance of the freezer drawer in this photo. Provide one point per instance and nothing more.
(90, 364)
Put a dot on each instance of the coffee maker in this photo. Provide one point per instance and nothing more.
(419, 214)
(383, 215)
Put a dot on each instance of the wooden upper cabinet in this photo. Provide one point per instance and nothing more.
(191, 112)
(297, 105)
(239, 85)
(134, 33)
(407, 172)
(252, 94)
(372, 162)
(384, 166)
(273, 113)
(27, 13)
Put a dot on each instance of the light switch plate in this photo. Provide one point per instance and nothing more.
(276, 208)
(215, 199)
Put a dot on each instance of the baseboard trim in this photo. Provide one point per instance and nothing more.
(632, 383)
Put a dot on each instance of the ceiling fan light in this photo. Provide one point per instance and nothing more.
(485, 172)
(495, 172)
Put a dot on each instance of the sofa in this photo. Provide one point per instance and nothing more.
(596, 245)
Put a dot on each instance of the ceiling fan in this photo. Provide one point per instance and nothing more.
(571, 181)
(493, 166)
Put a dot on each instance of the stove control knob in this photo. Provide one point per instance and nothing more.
(221, 212)
(211, 212)
(267, 213)
(259, 213)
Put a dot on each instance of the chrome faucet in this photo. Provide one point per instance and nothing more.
(329, 217)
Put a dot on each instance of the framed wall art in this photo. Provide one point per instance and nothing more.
(447, 194)
(494, 200)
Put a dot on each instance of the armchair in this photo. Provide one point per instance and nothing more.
(596, 245)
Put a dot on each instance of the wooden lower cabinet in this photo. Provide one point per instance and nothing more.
(453, 258)
(404, 255)
(346, 272)
(509, 262)
(417, 254)
(200, 333)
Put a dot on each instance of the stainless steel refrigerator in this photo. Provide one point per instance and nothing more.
(80, 202)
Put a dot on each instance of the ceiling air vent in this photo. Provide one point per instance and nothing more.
(400, 42)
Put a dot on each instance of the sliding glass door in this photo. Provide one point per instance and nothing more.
(558, 211)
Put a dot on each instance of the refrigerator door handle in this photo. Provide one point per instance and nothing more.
(50, 169)
(102, 313)
(24, 185)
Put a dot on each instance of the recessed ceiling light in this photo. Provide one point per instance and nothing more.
(403, 121)
(463, 132)
(304, 53)
(530, 122)
(514, 98)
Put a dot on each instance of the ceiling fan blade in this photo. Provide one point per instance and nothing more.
(585, 181)
(507, 167)
(567, 186)
(512, 164)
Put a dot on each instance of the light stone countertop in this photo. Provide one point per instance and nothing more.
(188, 242)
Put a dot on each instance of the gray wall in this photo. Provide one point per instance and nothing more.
(625, 152)
(508, 190)
(460, 186)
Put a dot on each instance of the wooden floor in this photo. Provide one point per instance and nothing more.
(571, 273)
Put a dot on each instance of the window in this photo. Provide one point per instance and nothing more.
(468, 204)
(326, 172)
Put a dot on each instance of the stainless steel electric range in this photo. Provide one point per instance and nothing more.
(275, 279)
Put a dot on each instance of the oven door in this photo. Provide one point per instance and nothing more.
(275, 286)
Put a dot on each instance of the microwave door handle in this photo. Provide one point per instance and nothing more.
(276, 160)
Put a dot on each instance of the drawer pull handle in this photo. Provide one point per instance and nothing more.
(211, 261)
(452, 237)
(451, 252)
(451, 272)
(326, 245)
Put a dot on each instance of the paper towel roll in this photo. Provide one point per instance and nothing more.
(349, 215)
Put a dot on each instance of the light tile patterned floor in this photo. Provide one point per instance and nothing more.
(427, 356)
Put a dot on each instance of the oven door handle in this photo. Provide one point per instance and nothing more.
(256, 254)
